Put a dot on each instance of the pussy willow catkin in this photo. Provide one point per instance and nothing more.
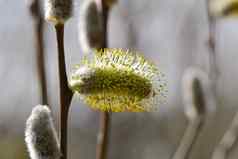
(40, 135)
(90, 28)
(58, 11)
(116, 80)
(224, 8)
(195, 84)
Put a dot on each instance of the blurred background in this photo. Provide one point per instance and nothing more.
(171, 33)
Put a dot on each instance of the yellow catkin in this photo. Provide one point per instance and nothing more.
(119, 81)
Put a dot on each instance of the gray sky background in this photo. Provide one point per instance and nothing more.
(171, 33)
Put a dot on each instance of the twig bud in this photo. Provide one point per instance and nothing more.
(58, 11)
(40, 135)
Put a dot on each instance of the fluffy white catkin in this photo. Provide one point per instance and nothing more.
(40, 135)
(90, 28)
(195, 85)
(58, 11)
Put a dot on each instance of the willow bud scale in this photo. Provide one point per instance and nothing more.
(116, 80)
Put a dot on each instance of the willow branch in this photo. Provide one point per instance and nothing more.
(34, 8)
(103, 135)
(65, 93)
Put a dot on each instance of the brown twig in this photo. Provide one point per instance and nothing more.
(103, 134)
(65, 93)
(103, 8)
(34, 8)
(213, 69)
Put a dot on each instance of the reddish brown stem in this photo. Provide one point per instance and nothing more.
(103, 134)
(38, 31)
(65, 93)
(105, 10)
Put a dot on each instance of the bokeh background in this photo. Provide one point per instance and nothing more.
(171, 33)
